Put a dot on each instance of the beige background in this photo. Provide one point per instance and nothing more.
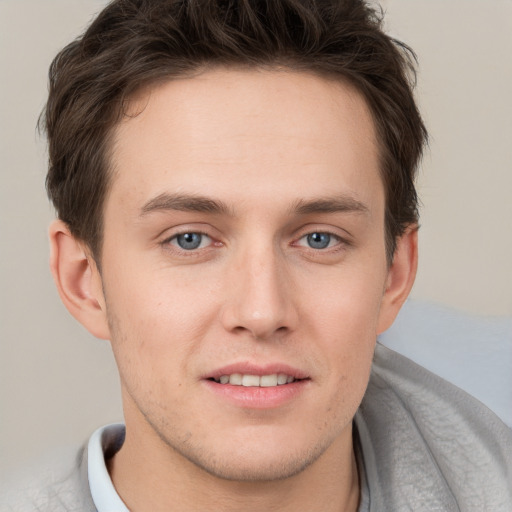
(58, 383)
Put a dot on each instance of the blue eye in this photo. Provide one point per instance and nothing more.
(319, 240)
(190, 241)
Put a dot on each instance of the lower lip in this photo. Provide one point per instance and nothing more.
(258, 397)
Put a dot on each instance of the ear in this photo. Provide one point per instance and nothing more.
(78, 280)
(401, 275)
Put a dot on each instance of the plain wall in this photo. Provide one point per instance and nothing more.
(58, 383)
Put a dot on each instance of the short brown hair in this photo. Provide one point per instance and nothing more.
(133, 43)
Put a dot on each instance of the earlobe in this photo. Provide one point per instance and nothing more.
(401, 275)
(78, 280)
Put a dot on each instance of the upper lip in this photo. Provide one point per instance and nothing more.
(248, 368)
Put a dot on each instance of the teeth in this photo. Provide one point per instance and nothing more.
(265, 381)
(269, 380)
(250, 380)
(282, 379)
(235, 379)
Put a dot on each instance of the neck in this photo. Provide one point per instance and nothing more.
(161, 479)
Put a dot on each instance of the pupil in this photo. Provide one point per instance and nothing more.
(319, 240)
(189, 241)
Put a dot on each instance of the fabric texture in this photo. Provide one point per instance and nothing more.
(60, 490)
(422, 445)
(429, 446)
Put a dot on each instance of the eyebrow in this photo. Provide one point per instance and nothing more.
(338, 204)
(197, 203)
(185, 203)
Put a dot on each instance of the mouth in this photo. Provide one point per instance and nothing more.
(256, 381)
(258, 387)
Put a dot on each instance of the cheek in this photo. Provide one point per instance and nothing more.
(160, 300)
(345, 318)
(157, 320)
(346, 302)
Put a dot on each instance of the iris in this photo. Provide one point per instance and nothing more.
(319, 240)
(189, 241)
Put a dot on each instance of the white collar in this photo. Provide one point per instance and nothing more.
(105, 439)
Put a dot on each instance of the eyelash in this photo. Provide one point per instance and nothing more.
(332, 237)
(168, 242)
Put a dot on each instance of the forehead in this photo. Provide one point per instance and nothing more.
(236, 132)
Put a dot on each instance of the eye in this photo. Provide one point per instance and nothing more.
(319, 240)
(190, 241)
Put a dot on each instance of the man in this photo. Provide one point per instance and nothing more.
(237, 215)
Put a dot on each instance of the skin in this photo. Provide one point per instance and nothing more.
(285, 155)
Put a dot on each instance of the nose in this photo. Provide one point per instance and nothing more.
(261, 299)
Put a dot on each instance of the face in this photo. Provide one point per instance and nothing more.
(244, 268)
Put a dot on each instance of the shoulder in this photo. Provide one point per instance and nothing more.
(55, 487)
(428, 444)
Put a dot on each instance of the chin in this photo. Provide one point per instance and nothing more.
(250, 469)
(246, 461)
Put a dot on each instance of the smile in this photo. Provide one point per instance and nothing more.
(264, 381)
(253, 386)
